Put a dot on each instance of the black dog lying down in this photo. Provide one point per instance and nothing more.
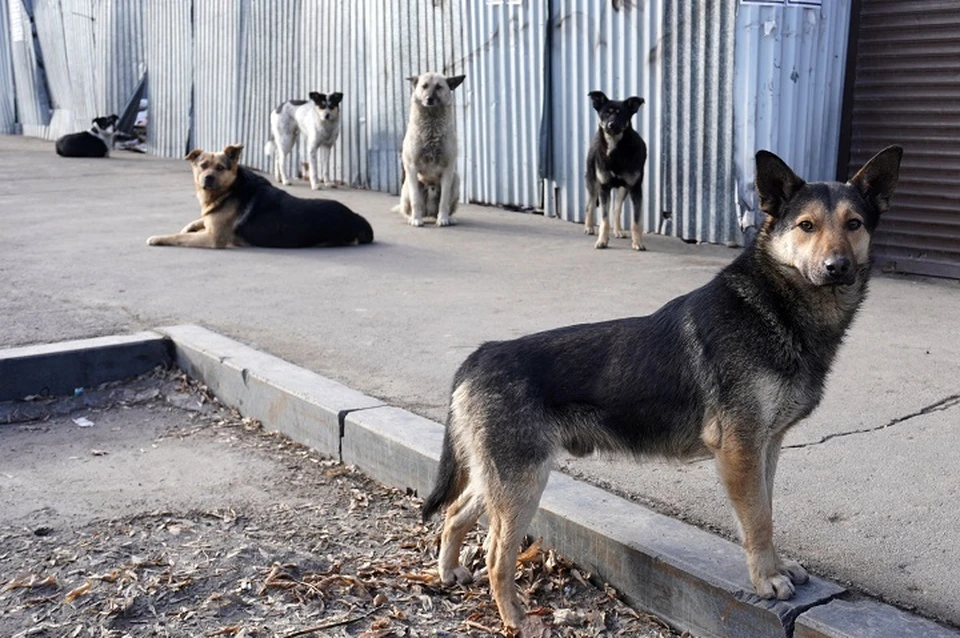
(96, 142)
(241, 208)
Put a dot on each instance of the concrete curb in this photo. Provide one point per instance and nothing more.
(303, 405)
(60, 368)
(693, 579)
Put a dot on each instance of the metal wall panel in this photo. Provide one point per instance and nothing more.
(32, 100)
(790, 64)
(270, 72)
(697, 120)
(67, 104)
(334, 59)
(218, 67)
(907, 92)
(168, 52)
(119, 63)
(406, 39)
(8, 105)
(597, 46)
(505, 92)
(92, 58)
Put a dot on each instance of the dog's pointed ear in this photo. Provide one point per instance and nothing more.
(114, 119)
(776, 182)
(599, 99)
(317, 98)
(335, 98)
(233, 152)
(455, 81)
(633, 104)
(877, 179)
(413, 79)
(194, 154)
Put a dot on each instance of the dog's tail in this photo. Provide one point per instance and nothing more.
(448, 485)
(269, 148)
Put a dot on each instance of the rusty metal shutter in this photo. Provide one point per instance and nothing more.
(907, 91)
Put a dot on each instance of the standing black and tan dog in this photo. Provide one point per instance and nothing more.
(615, 164)
(726, 369)
(431, 184)
(240, 208)
(97, 142)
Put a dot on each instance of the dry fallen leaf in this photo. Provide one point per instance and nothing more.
(78, 592)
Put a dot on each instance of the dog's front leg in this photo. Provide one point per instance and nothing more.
(446, 196)
(312, 161)
(194, 226)
(193, 240)
(619, 195)
(325, 153)
(792, 569)
(588, 214)
(604, 237)
(636, 228)
(416, 195)
(741, 464)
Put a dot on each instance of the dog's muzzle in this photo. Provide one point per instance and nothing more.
(838, 270)
(209, 182)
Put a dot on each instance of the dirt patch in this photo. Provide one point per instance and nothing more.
(173, 516)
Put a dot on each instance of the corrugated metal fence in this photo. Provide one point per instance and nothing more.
(8, 109)
(720, 79)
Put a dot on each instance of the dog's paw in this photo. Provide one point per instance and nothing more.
(637, 246)
(601, 243)
(153, 241)
(444, 221)
(286, 182)
(413, 221)
(794, 571)
(315, 186)
(775, 586)
(618, 233)
(588, 230)
(459, 575)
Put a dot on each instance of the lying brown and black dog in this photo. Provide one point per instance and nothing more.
(241, 208)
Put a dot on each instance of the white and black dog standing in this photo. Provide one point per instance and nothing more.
(318, 120)
(96, 142)
(429, 153)
(615, 164)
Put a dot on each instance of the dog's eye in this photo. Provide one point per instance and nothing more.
(854, 224)
(806, 226)
(204, 165)
(219, 167)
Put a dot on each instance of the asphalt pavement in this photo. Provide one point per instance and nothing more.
(868, 488)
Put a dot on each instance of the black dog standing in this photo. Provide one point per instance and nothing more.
(615, 163)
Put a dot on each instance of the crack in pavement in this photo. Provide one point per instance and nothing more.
(943, 404)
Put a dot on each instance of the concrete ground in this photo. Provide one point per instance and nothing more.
(867, 487)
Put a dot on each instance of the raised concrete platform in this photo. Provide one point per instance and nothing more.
(693, 579)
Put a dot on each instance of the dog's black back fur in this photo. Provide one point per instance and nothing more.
(83, 144)
(759, 336)
(271, 217)
(86, 143)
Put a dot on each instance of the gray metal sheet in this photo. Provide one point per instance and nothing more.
(618, 51)
(505, 92)
(906, 92)
(8, 105)
(168, 54)
(789, 76)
